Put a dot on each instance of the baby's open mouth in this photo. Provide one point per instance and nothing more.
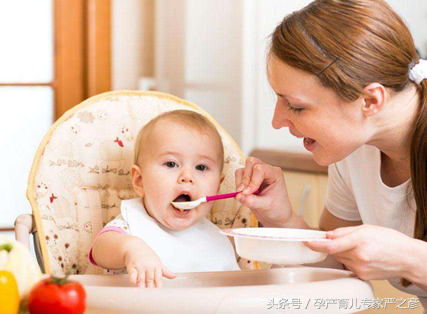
(182, 198)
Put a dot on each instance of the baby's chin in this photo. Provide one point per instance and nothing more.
(180, 225)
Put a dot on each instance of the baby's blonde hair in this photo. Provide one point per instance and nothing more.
(186, 118)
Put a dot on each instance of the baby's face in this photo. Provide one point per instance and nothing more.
(179, 161)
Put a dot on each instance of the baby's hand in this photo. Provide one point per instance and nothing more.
(144, 266)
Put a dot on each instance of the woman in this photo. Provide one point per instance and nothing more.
(348, 80)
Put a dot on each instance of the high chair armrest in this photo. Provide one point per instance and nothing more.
(24, 226)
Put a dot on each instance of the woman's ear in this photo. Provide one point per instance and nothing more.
(136, 175)
(375, 99)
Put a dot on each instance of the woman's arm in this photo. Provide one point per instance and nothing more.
(330, 222)
(271, 206)
(417, 270)
(376, 253)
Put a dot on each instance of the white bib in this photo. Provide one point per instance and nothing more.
(200, 248)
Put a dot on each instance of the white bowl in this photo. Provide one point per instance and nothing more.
(277, 245)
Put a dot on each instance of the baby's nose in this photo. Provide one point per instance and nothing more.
(186, 177)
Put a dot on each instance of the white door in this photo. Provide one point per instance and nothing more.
(198, 56)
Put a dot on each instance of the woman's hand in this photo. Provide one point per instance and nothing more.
(370, 252)
(271, 206)
(144, 266)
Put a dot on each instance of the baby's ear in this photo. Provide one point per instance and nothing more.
(136, 173)
(222, 178)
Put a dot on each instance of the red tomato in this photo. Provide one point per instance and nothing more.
(57, 295)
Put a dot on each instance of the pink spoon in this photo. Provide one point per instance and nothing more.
(194, 204)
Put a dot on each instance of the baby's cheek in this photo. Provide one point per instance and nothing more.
(213, 184)
(205, 209)
(156, 197)
(158, 186)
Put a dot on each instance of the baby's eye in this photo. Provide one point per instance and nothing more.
(201, 167)
(171, 164)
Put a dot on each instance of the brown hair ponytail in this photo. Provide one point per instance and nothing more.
(349, 44)
(419, 168)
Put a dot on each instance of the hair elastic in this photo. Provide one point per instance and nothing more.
(419, 72)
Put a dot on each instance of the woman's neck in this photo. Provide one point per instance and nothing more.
(394, 135)
(395, 126)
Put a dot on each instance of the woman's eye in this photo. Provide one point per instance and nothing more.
(171, 164)
(293, 109)
(296, 110)
(201, 167)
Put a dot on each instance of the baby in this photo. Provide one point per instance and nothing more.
(178, 157)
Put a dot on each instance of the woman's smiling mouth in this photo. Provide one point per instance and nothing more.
(309, 143)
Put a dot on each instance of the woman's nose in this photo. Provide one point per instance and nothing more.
(280, 119)
(186, 177)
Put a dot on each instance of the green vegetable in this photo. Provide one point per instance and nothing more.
(7, 246)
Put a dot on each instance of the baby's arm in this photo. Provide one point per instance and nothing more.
(115, 250)
(110, 248)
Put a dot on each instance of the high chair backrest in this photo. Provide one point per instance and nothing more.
(80, 174)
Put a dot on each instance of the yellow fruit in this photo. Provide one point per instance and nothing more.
(9, 295)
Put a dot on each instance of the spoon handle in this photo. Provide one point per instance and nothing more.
(223, 196)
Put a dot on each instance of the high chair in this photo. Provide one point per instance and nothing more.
(80, 174)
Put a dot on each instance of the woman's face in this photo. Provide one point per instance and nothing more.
(330, 128)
